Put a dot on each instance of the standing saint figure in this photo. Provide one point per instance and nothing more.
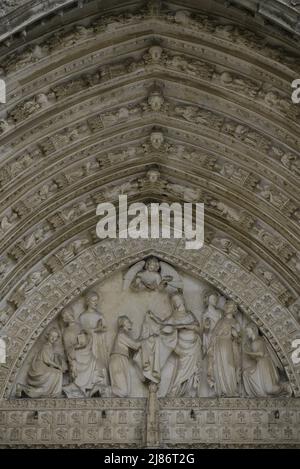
(119, 358)
(44, 378)
(85, 371)
(210, 318)
(149, 355)
(92, 323)
(223, 354)
(262, 378)
(183, 330)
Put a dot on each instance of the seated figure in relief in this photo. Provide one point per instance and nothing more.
(44, 378)
(262, 378)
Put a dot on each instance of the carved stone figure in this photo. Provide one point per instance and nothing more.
(261, 378)
(26, 287)
(182, 338)
(225, 210)
(224, 354)
(156, 100)
(44, 378)
(93, 324)
(153, 176)
(156, 139)
(188, 194)
(152, 275)
(75, 211)
(185, 379)
(85, 347)
(149, 354)
(5, 126)
(128, 188)
(34, 238)
(291, 162)
(7, 222)
(119, 358)
(192, 67)
(154, 55)
(236, 83)
(210, 318)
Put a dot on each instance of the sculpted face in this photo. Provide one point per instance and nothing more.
(155, 53)
(124, 323)
(128, 324)
(177, 302)
(53, 336)
(156, 139)
(230, 308)
(92, 300)
(152, 265)
(153, 176)
(155, 101)
(213, 300)
(68, 315)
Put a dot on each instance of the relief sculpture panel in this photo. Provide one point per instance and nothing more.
(152, 325)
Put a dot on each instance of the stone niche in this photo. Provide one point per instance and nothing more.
(151, 356)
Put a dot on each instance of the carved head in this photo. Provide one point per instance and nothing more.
(155, 53)
(182, 16)
(156, 100)
(153, 175)
(92, 299)
(67, 315)
(157, 139)
(230, 308)
(226, 77)
(124, 323)
(152, 264)
(177, 302)
(3, 125)
(252, 331)
(42, 99)
(212, 299)
(52, 336)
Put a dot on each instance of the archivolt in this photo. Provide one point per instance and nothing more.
(231, 88)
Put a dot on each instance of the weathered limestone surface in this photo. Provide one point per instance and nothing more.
(142, 343)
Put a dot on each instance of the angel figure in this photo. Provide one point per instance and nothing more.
(152, 275)
(262, 378)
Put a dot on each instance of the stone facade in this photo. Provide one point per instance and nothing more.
(161, 103)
